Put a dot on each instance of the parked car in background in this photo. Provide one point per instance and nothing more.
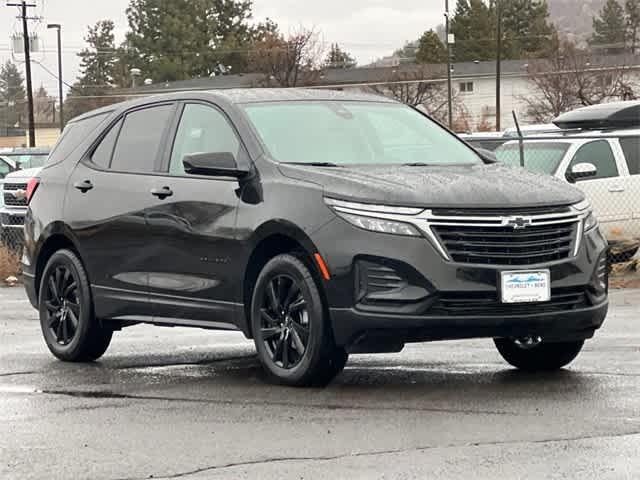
(7, 165)
(23, 158)
(14, 205)
(318, 223)
(21, 165)
(492, 140)
(611, 154)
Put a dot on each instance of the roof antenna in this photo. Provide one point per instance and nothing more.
(520, 138)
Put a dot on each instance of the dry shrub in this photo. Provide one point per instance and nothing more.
(9, 264)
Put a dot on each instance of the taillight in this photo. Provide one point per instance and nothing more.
(31, 188)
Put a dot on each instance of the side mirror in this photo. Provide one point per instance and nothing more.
(581, 171)
(222, 164)
(487, 155)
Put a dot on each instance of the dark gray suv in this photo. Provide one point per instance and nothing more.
(317, 223)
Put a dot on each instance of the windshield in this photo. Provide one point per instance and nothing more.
(539, 157)
(350, 133)
(29, 161)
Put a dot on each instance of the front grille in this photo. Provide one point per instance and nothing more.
(10, 199)
(488, 304)
(518, 240)
(12, 221)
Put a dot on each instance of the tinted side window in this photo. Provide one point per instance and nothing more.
(73, 135)
(631, 149)
(599, 154)
(140, 139)
(102, 154)
(202, 129)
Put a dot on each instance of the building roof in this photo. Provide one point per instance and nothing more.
(371, 75)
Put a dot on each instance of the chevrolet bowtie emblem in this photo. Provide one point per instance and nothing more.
(19, 194)
(518, 223)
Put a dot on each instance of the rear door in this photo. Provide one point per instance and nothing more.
(109, 192)
(192, 243)
(605, 191)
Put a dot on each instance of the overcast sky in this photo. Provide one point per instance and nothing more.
(369, 29)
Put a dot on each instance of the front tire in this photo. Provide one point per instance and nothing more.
(543, 357)
(290, 329)
(70, 330)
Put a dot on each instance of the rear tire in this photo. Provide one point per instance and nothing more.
(543, 357)
(290, 328)
(70, 329)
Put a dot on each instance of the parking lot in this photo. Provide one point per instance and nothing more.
(177, 403)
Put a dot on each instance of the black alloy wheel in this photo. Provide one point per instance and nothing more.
(69, 326)
(285, 321)
(62, 304)
(290, 325)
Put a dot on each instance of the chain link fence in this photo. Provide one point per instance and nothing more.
(606, 167)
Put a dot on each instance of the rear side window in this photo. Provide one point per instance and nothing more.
(140, 139)
(598, 153)
(102, 155)
(631, 149)
(73, 135)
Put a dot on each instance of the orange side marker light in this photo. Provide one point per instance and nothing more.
(322, 266)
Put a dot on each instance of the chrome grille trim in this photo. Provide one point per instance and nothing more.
(427, 220)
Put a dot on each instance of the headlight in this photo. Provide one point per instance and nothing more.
(590, 222)
(379, 225)
(371, 217)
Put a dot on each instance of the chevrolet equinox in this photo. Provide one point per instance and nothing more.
(317, 223)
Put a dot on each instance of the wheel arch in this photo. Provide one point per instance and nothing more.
(271, 239)
(56, 237)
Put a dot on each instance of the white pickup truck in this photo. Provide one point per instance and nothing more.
(614, 189)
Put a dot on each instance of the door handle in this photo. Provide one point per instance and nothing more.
(162, 193)
(83, 186)
(616, 189)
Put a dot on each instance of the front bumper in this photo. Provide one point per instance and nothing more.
(12, 219)
(421, 312)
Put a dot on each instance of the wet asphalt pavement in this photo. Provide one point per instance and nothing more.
(179, 403)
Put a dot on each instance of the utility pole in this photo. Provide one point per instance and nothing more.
(27, 58)
(449, 85)
(58, 27)
(499, 68)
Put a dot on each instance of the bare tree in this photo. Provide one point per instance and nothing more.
(416, 87)
(288, 62)
(568, 79)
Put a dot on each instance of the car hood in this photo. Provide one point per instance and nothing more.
(469, 186)
(25, 174)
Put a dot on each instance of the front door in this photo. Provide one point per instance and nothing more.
(605, 191)
(192, 228)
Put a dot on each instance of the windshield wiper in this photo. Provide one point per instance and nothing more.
(417, 164)
(314, 164)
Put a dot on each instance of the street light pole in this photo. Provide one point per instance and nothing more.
(449, 85)
(58, 27)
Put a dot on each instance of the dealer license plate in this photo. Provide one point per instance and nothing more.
(526, 286)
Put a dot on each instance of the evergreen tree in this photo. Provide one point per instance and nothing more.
(632, 9)
(431, 49)
(474, 27)
(12, 95)
(97, 71)
(610, 28)
(525, 27)
(338, 58)
(98, 60)
(182, 39)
